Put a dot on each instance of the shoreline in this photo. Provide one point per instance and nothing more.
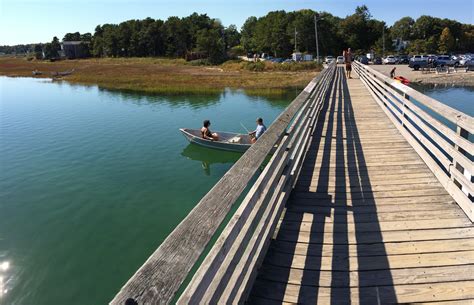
(459, 79)
(159, 76)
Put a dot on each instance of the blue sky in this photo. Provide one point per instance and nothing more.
(29, 21)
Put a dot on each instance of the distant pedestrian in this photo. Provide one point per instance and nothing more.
(392, 73)
(348, 61)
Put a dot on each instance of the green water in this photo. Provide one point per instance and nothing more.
(92, 181)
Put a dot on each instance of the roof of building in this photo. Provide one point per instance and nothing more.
(72, 43)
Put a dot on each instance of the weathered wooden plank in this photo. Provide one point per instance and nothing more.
(376, 249)
(319, 225)
(374, 195)
(375, 237)
(356, 188)
(405, 214)
(358, 278)
(340, 263)
(309, 206)
(326, 178)
(429, 292)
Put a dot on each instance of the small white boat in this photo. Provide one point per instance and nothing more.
(227, 140)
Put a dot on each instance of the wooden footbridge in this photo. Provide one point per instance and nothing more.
(368, 199)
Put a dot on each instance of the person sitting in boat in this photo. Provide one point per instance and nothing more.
(258, 132)
(206, 132)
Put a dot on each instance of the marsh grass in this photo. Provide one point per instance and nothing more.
(166, 76)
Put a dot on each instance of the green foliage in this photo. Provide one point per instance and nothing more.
(211, 43)
(273, 33)
(236, 51)
(200, 62)
(231, 36)
(72, 37)
(255, 66)
(446, 41)
(51, 50)
(248, 34)
(38, 51)
(403, 28)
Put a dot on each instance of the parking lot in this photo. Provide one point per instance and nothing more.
(459, 78)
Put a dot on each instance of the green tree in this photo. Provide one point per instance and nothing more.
(354, 29)
(403, 28)
(446, 41)
(232, 36)
(247, 33)
(38, 51)
(211, 43)
(72, 37)
(51, 50)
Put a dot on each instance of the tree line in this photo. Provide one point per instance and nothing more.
(278, 33)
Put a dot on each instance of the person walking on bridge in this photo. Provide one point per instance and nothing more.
(348, 61)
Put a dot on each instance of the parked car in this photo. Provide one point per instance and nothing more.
(340, 60)
(444, 60)
(418, 61)
(403, 59)
(277, 60)
(286, 61)
(377, 61)
(364, 60)
(464, 60)
(390, 60)
(419, 58)
(329, 59)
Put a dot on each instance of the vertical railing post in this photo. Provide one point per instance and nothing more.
(404, 105)
(464, 134)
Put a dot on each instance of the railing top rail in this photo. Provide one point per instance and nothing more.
(160, 277)
(455, 116)
(444, 151)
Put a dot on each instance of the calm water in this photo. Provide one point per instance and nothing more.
(92, 181)
(460, 98)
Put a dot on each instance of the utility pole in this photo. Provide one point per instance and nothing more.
(316, 36)
(295, 41)
(383, 40)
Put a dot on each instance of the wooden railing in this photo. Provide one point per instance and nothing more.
(447, 151)
(229, 268)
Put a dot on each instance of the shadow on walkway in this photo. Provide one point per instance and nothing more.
(336, 266)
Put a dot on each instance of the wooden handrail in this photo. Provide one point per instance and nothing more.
(159, 278)
(228, 270)
(448, 153)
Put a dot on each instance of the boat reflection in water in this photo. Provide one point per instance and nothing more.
(209, 156)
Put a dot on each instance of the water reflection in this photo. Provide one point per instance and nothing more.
(85, 163)
(195, 101)
(209, 156)
(4, 266)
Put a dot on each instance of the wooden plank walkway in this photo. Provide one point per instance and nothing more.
(367, 221)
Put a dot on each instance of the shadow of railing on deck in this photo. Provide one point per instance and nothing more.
(322, 259)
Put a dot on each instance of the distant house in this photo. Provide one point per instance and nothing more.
(75, 49)
(297, 56)
(399, 44)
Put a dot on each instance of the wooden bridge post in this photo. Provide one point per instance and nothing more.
(464, 134)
